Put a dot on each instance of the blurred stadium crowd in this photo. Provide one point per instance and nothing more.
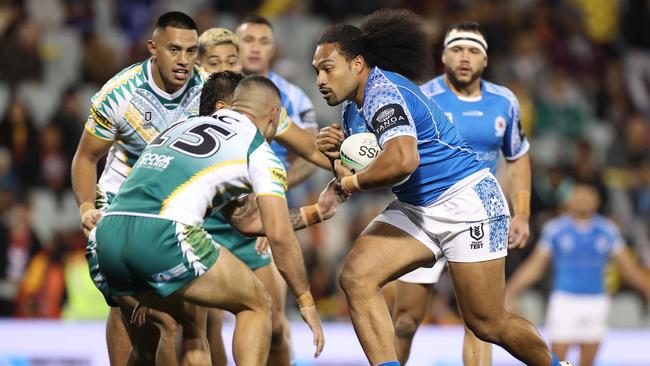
(580, 69)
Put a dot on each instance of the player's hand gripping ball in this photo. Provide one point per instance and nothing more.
(359, 150)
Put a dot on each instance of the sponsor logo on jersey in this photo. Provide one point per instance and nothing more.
(280, 175)
(499, 126)
(473, 113)
(163, 277)
(155, 161)
(388, 117)
(477, 233)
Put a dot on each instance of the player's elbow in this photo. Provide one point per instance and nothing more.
(408, 164)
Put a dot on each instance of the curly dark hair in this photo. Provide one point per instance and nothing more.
(392, 39)
(220, 86)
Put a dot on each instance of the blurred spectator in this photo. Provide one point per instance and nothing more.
(55, 165)
(42, 291)
(8, 186)
(636, 33)
(69, 121)
(18, 134)
(18, 245)
(19, 55)
(83, 301)
(99, 61)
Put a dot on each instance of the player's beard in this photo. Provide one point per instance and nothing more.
(462, 84)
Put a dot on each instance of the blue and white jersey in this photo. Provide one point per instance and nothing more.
(580, 252)
(299, 107)
(489, 123)
(394, 106)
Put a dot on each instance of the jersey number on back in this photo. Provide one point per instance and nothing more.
(204, 141)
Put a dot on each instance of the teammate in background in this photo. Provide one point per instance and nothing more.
(217, 94)
(127, 113)
(579, 243)
(160, 208)
(219, 50)
(448, 204)
(487, 116)
(257, 48)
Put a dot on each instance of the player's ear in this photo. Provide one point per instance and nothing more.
(151, 47)
(443, 58)
(220, 105)
(358, 63)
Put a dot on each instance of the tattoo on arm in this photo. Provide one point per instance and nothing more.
(242, 210)
(296, 219)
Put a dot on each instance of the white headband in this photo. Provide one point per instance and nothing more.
(459, 37)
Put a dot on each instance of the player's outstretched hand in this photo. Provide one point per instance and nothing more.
(89, 219)
(311, 317)
(261, 244)
(519, 232)
(340, 170)
(329, 140)
(330, 199)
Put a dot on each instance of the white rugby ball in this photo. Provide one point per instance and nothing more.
(359, 150)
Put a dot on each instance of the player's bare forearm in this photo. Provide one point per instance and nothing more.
(84, 167)
(631, 272)
(284, 244)
(302, 142)
(398, 159)
(84, 179)
(519, 178)
(299, 171)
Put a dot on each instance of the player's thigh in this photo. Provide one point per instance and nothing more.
(228, 285)
(383, 253)
(479, 288)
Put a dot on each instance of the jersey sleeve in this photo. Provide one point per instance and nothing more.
(306, 112)
(101, 122)
(515, 144)
(266, 172)
(284, 122)
(388, 113)
(615, 238)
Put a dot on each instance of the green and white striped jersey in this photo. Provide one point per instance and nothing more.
(131, 110)
(197, 164)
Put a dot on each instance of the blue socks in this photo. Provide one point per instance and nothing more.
(390, 363)
(554, 361)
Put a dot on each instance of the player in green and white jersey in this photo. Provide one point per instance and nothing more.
(192, 165)
(127, 113)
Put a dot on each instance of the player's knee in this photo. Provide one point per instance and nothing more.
(263, 301)
(406, 326)
(352, 281)
(487, 330)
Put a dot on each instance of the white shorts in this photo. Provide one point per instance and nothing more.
(426, 275)
(469, 223)
(577, 318)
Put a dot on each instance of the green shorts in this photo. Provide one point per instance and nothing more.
(242, 247)
(131, 254)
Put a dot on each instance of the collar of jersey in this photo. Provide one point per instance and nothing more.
(159, 91)
(461, 98)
